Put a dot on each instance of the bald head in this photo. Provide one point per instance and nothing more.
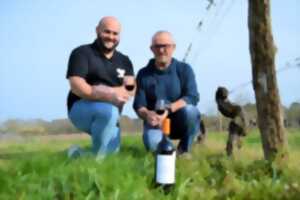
(164, 36)
(109, 21)
(108, 34)
(163, 47)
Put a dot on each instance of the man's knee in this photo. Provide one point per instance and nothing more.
(151, 138)
(188, 116)
(190, 112)
(107, 113)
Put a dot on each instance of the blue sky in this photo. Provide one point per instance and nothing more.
(37, 37)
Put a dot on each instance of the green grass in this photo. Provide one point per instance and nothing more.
(40, 169)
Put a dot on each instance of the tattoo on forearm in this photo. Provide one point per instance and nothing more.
(102, 92)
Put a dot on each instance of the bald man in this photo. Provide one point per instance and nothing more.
(165, 78)
(97, 95)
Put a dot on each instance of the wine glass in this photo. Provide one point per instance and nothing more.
(160, 106)
(129, 83)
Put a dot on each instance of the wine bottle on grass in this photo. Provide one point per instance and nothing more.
(165, 160)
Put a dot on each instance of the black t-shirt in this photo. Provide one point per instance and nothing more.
(88, 62)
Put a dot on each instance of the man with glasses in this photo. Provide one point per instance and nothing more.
(165, 78)
(96, 73)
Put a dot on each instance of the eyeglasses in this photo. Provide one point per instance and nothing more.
(164, 46)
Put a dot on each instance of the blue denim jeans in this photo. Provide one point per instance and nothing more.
(184, 126)
(100, 121)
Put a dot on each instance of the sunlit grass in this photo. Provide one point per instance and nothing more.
(39, 169)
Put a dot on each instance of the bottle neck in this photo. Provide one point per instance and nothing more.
(165, 146)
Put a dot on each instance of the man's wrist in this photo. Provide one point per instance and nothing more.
(143, 113)
(169, 109)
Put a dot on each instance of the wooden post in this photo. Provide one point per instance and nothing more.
(262, 50)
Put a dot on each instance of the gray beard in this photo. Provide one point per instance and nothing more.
(162, 62)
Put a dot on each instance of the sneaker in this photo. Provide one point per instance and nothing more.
(74, 151)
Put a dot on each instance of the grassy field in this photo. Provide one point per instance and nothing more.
(38, 168)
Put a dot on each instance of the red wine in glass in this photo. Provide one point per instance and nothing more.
(129, 87)
(160, 111)
(160, 107)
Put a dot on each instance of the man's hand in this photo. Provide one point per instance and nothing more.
(155, 119)
(177, 105)
(162, 117)
(120, 96)
(152, 118)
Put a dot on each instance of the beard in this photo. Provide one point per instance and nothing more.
(104, 47)
(163, 60)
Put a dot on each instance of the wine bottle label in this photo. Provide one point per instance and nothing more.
(165, 168)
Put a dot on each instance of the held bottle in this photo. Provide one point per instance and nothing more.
(165, 160)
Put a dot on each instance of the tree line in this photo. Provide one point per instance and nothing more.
(134, 126)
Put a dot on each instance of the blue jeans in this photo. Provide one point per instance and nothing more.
(100, 121)
(184, 126)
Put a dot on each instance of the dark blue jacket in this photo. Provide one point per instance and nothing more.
(176, 82)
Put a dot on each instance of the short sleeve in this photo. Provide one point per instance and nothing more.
(129, 67)
(78, 64)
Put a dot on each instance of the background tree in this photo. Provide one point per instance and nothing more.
(262, 50)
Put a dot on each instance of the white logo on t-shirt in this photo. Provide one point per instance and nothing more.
(121, 73)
